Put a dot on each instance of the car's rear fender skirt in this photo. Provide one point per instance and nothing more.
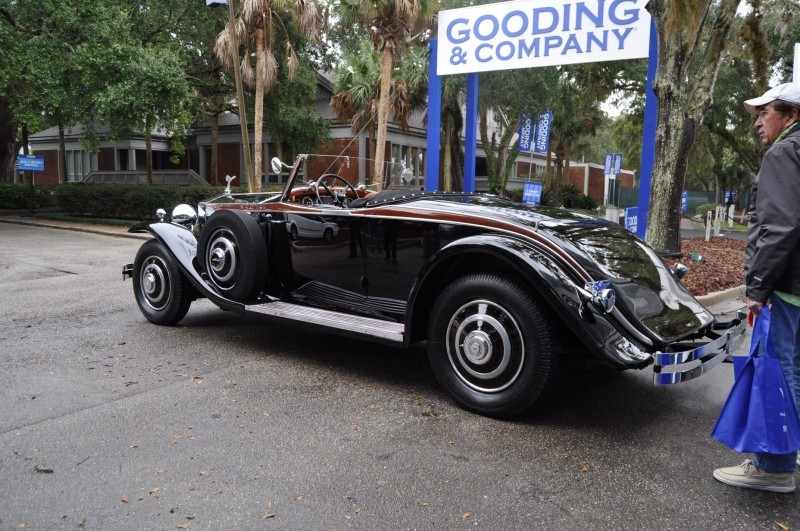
(181, 243)
(535, 269)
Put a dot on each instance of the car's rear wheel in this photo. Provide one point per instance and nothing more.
(162, 292)
(231, 249)
(489, 345)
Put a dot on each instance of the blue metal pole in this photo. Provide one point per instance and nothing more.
(434, 122)
(648, 136)
(471, 133)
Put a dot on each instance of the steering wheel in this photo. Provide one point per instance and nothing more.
(340, 199)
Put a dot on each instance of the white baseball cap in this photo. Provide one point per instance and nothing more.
(788, 92)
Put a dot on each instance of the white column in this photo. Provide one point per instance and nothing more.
(796, 73)
(586, 180)
(131, 159)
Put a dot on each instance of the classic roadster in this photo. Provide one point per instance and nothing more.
(502, 292)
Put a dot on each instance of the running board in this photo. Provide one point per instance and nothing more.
(367, 326)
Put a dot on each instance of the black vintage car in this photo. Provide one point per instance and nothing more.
(502, 292)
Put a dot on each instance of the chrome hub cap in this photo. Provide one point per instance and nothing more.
(222, 257)
(154, 282)
(478, 347)
(485, 346)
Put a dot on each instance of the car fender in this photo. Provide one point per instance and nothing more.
(535, 268)
(181, 243)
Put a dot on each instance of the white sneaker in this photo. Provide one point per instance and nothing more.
(748, 476)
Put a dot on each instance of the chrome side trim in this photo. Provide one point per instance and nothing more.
(709, 354)
(362, 325)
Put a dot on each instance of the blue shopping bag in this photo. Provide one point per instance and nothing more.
(759, 414)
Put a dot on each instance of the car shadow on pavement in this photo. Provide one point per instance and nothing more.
(590, 399)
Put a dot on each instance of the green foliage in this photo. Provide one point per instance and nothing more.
(119, 201)
(17, 197)
(290, 112)
(571, 198)
(704, 209)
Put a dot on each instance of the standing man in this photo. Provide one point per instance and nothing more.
(772, 265)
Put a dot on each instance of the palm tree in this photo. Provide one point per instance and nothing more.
(262, 23)
(453, 95)
(358, 85)
(391, 26)
(357, 91)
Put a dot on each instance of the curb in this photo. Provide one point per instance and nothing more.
(718, 297)
(121, 233)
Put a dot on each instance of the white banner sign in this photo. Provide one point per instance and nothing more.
(530, 33)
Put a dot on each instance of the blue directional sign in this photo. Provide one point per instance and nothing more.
(632, 219)
(532, 193)
(30, 163)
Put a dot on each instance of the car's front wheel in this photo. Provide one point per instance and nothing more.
(489, 345)
(162, 292)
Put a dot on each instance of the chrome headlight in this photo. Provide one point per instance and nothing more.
(603, 296)
(184, 215)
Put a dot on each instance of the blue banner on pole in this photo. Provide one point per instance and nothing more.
(684, 201)
(617, 163)
(532, 193)
(542, 133)
(609, 164)
(31, 163)
(526, 128)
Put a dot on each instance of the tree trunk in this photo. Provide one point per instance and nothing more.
(503, 158)
(213, 177)
(684, 96)
(258, 114)
(387, 58)
(447, 154)
(62, 154)
(148, 142)
(567, 163)
(8, 142)
(488, 149)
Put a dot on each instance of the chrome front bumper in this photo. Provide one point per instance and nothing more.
(692, 363)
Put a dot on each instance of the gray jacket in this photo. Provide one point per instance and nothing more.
(772, 256)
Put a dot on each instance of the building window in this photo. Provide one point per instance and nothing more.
(80, 164)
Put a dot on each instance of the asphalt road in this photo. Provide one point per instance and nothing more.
(109, 422)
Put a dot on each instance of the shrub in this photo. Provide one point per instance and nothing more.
(572, 198)
(704, 209)
(121, 201)
(17, 196)
(516, 195)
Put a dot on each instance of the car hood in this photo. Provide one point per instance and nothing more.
(647, 291)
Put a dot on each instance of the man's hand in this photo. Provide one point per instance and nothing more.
(754, 306)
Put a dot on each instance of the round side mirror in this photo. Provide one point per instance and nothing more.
(276, 165)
